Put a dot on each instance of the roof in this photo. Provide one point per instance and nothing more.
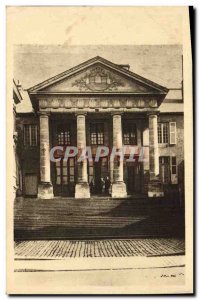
(120, 69)
(161, 64)
(16, 93)
(172, 108)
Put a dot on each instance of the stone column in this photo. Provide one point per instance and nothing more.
(45, 189)
(82, 189)
(118, 186)
(155, 186)
(111, 167)
(153, 146)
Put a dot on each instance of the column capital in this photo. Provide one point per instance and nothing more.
(43, 113)
(80, 113)
(117, 113)
(153, 113)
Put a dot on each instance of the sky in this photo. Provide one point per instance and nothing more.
(52, 39)
(36, 63)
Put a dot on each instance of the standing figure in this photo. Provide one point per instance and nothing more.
(92, 185)
(102, 185)
(107, 185)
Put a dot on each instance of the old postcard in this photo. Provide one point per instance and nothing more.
(100, 172)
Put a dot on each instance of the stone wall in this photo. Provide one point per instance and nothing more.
(175, 150)
(28, 155)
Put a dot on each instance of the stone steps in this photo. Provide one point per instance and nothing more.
(71, 218)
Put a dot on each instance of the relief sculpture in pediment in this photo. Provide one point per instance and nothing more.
(98, 79)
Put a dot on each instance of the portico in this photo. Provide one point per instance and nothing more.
(98, 103)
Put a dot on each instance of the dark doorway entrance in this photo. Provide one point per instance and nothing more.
(134, 178)
(96, 171)
(97, 177)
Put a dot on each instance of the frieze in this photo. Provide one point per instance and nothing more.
(82, 103)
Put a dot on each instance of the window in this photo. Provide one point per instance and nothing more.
(63, 135)
(173, 165)
(168, 169)
(167, 133)
(164, 162)
(97, 133)
(30, 135)
(174, 172)
(130, 134)
(163, 136)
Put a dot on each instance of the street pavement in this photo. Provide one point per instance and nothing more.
(59, 249)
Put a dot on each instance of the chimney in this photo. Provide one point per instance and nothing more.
(126, 67)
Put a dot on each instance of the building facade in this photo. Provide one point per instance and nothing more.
(96, 104)
(17, 99)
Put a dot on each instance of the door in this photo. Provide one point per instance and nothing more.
(30, 184)
(134, 178)
(97, 177)
(65, 177)
(164, 169)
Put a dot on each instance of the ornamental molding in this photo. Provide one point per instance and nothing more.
(82, 103)
(98, 79)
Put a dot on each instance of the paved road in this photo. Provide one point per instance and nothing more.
(59, 249)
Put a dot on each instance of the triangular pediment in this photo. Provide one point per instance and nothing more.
(98, 76)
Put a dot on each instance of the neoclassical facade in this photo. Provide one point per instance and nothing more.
(99, 103)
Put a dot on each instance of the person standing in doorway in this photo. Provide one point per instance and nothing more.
(107, 185)
(92, 186)
(102, 185)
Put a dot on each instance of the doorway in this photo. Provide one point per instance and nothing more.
(134, 178)
(65, 177)
(164, 163)
(97, 177)
(96, 171)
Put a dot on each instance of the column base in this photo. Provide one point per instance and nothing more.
(82, 190)
(118, 190)
(45, 191)
(155, 189)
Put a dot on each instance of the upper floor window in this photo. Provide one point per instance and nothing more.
(163, 134)
(63, 135)
(30, 135)
(167, 133)
(130, 134)
(97, 133)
